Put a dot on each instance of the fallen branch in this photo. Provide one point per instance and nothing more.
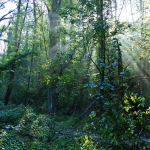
(89, 107)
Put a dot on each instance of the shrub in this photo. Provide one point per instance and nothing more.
(43, 128)
(26, 121)
(11, 114)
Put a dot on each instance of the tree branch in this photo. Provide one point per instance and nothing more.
(5, 66)
(4, 16)
(89, 107)
(2, 5)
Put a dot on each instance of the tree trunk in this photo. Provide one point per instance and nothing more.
(102, 40)
(120, 72)
(17, 44)
(31, 61)
(54, 22)
(9, 88)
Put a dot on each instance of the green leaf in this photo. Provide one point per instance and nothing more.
(106, 126)
(93, 114)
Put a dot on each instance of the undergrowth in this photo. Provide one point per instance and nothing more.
(21, 128)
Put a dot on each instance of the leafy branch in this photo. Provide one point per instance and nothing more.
(17, 57)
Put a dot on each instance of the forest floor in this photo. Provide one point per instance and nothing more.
(23, 129)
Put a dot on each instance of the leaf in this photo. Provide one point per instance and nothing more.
(92, 114)
(148, 110)
(92, 84)
(12, 70)
(127, 108)
(112, 88)
(101, 87)
(101, 96)
(106, 126)
(108, 85)
(121, 73)
(102, 64)
(95, 74)
(125, 101)
(114, 64)
(133, 99)
(103, 119)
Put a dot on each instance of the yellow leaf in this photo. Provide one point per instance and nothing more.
(125, 101)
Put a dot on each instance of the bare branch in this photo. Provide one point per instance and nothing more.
(4, 16)
(2, 5)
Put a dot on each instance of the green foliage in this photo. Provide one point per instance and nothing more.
(35, 131)
(43, 128)
(10, 114)
(13, 58)
(26, 121)
(68, 80)
(122, 126)
(31, 131)
(114, 129)
(87, 143)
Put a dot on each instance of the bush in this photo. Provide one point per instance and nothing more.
(43, 128)
(26, 121)
(11, 114)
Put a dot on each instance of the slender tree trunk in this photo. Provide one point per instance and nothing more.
(102, 39)
(31, 61)
(9, 88)
(120, 73)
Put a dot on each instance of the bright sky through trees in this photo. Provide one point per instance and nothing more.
(8, 6)
(126, 11)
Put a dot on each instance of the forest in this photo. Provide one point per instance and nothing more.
(74, 75)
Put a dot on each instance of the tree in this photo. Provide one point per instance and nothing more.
(53, 43)
(16, 45)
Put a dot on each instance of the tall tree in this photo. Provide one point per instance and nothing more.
(53, 44)
(17, 41)
(33, 49)
(102, 38)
